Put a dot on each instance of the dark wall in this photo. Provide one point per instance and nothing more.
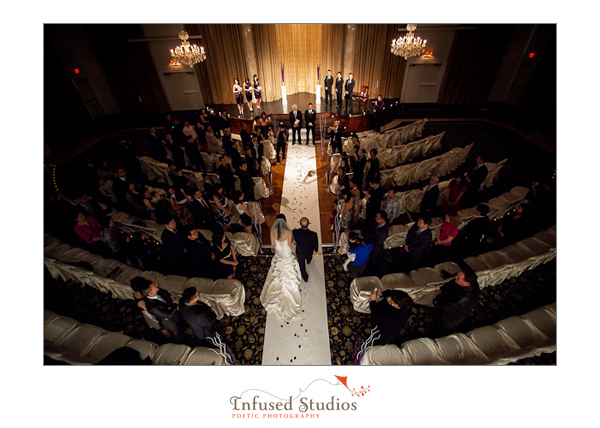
(537, 108)
(67, 121)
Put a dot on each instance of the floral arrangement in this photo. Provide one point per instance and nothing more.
(282, 78)
(318, 72)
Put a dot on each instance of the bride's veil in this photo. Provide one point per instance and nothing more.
(279, 226)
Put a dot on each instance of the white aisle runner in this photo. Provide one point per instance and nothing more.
(305, 340)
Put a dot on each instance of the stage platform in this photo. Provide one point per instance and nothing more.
(358, 117)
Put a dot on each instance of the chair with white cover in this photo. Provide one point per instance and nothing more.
(426, 281)
(493, 171)
(360, 292)
(225, 297)
(171, 354)
(174, 284)
(200, 356)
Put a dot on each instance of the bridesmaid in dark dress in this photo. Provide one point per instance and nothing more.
(239, 97)
(248, 88)
(257, 92)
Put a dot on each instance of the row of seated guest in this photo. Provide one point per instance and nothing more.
(453, 302)
(364, 211)
(173, 316)
(189, 253)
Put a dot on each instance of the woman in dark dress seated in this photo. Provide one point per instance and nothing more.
(224, 255)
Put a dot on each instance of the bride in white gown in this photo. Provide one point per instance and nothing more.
(281, 292)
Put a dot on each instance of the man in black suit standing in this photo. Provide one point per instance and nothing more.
(417, 242)
(431, 196)
(339, 88)
(474, 180)
(296, 124)
(349, 87)
(377, 237)
(374, 197)
(201, 319)
(358, 163)
(307, 243)
(310, 117)
(161, 304)
(173, 243)
(453, 302)
(335, 137)
(328, 86)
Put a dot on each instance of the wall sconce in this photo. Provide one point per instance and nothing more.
(427, 54)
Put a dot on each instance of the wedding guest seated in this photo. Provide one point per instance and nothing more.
(91, 231)
(224, 255)
(390, 315)
(106, 192)
(223, 210)
(244, 212)
(91, 208)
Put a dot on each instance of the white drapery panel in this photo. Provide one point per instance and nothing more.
(227, 297)
(68, 340)
(492, 268)
(509, 340)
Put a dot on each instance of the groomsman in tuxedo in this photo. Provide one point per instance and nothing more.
(328, 86)
(296, 124)
(348, 92)
(339, 88)
(310, 117)
(307, 243)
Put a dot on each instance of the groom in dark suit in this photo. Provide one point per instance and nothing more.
(307, 243)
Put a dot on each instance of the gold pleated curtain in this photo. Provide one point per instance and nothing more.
(268, 61)
(299, 47)
(374, 65)
(333, 37)
(225, 60)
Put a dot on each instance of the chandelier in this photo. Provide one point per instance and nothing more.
(408, 45)
(187, 54)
